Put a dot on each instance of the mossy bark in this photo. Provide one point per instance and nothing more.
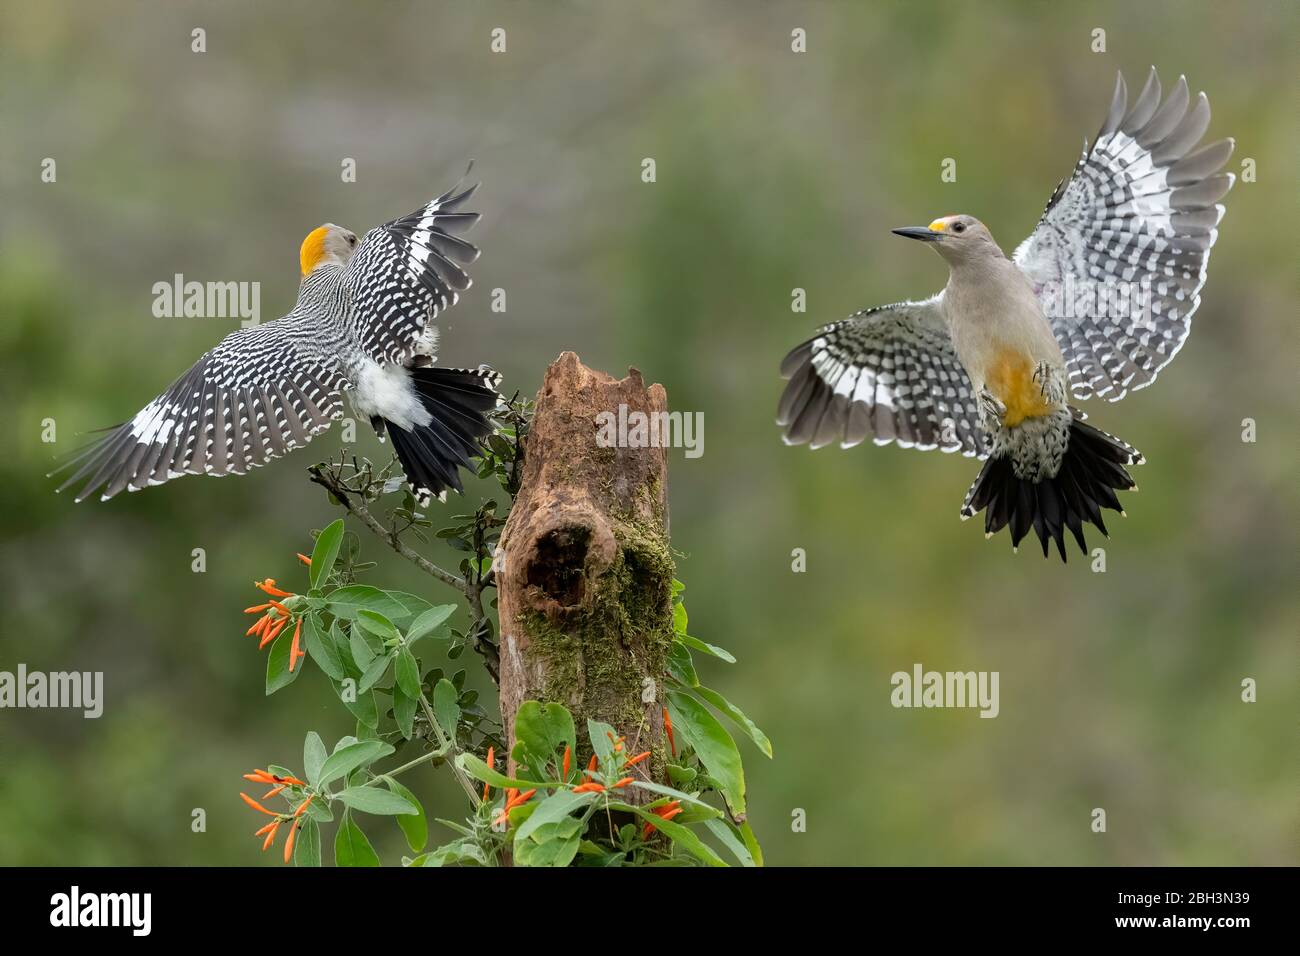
(584, 570)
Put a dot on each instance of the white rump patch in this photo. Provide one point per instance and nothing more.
(387, 391)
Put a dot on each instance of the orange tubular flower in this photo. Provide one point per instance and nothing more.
(268, 587)
(591, 766)
(491, 762)
(589, 787)
(272, 632)
(568, 754)
(514, 799)
(257, 806)
(668, 727)
(666, 812)
(294, 649)
(270, 826)
(288, 844)
(623, 783)
(632, 761)
(270, 836)
(272, 792)
(255, 608)
(304, 559)
(305, 804)
(258, 626)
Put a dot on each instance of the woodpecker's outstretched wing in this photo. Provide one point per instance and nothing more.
(405, 272)
(1126, 240)
(889, 372)
(252, 398)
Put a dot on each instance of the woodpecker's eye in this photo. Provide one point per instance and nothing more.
(959, 227)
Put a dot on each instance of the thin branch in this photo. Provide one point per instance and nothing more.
(357, 507)
(353, 500)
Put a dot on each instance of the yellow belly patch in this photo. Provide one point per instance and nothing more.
(1011, 380)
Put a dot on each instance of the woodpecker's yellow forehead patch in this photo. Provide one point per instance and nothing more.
(939, 225)
(313, 249)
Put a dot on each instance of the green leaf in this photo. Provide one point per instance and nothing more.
(321, 648)
(345, 602)
(679, 618)
(600, 734)
(682, 836)
(319, 810)
(278, 674)
(727, 834)
(408, 673)
(428, 622)
(351, 848)
(681, 776)
(705, 648)
(554, 808)
(681, 666)
(313, 756)
(362, 653)
(446, 706)
(343, 762)
(412, 605)
(343, 646)
(415, 827)
(676, 795)
(325, 552)
(377, 624)
(479, 770)
(751, 843)
(376, 801)
(374, 672)
(544, 730)
(363, 708)
(306, 846)
(553, 844)
(460, 853)
(404, 712)
(738, 716)
(712, 744)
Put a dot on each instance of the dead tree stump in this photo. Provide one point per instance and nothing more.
(584, 571)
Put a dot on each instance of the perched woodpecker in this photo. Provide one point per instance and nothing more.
(1094, 303)
(363, 324)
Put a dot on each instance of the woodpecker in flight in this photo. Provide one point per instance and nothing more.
(363, 324)
(1094, 303)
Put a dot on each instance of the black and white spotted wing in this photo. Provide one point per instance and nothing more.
(1127, 240)
(888, 372)
(407, 271)
(252, 398)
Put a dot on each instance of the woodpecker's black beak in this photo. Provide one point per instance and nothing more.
(924, 233)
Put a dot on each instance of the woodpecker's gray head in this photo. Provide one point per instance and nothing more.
(326, 245)
(956, 238)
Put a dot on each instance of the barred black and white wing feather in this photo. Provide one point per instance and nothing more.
(888, 372)
(252, 398)
(407, 271)
(1127, 240)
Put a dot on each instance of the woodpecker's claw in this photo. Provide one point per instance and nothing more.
(994, 410)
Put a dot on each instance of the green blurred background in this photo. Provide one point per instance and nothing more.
(776, 170)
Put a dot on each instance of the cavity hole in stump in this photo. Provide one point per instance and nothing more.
(558, 567)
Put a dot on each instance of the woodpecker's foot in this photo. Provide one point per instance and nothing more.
(1049, 383)
(992, 409)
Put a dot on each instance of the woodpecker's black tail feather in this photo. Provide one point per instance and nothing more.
(460, 401)
(1092, 470)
